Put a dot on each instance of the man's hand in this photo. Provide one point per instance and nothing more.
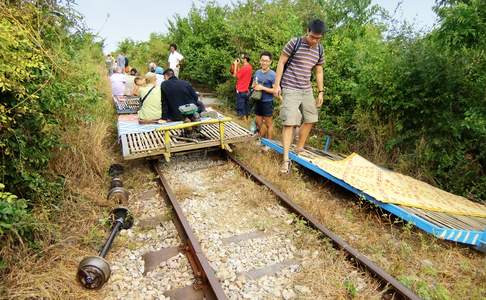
(277, 91)
(320, 99)
(258, 87)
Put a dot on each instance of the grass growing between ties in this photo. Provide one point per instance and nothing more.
(432, 268)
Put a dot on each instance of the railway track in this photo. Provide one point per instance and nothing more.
(236, 236)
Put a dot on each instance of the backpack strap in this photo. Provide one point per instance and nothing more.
(291, 57)
(321, 51)
(146, 95)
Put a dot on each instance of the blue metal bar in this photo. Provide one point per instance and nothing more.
(471, 237)
(327, 143)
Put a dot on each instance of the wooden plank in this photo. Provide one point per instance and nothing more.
(206, 133)
(153, 143)
(241, 128)
(238, 130)
(212, 135)
(158, 139)
(474, 221)
(205, 144)
(146, 144)
(151, 138)
(139, 143)
(160, 134)
(442, 219)
(425, 216)
(150, 141)
(142, 143)
(214, 132)
(131, 142)
(458, 221)
(449, 220)
(124, 144)
(230, 131)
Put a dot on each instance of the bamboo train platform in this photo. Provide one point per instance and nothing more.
(142, 141)
(437, 212)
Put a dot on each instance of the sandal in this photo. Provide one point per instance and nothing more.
(298, 150)
(286, 167)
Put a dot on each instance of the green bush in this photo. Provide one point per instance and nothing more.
(14, 215)
(43, 91)
(411, 102)
(226, 92)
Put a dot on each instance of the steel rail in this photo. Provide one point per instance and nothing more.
(338, 241)
(202, 270)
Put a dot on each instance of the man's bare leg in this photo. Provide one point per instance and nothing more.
(286, 141)
(303, 134)
(259, 123)
(269, 127)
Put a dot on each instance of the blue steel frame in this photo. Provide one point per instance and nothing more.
(470, 237)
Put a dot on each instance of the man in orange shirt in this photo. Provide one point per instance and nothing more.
(243, 78)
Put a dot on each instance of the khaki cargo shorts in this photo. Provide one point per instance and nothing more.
(297, 104)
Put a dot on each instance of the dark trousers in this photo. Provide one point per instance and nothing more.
(242, 105)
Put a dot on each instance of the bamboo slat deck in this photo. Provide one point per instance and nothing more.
(465, 229)
(152, 143)
(126, 104)
(448, 220)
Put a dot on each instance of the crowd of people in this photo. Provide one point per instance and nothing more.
(162, 92)
(291, 84)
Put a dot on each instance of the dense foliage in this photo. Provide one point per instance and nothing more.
(156, 50)
(412, 102)
(43, 91)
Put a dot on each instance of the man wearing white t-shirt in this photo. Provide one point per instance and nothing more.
(118, 82)
(175, 59)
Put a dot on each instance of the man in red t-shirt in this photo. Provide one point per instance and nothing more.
(243, 78)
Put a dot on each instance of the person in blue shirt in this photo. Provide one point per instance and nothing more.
(264, 81)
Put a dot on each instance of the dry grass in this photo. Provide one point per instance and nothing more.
(434, 269)
(184, 192)
(78, 225)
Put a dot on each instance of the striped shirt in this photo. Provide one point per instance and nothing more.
(298, 74)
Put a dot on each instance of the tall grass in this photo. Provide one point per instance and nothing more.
(75, 225)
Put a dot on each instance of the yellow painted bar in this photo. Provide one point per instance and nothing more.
(221, 134)
(167, 140)
(191, 124)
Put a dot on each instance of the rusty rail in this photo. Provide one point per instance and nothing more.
(203, 272)
(362, 260)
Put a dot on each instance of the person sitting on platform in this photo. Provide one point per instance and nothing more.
(139, 82)
(151, 108)
(134, 72)
(159, 71)
(175, 93)
(118, 82)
